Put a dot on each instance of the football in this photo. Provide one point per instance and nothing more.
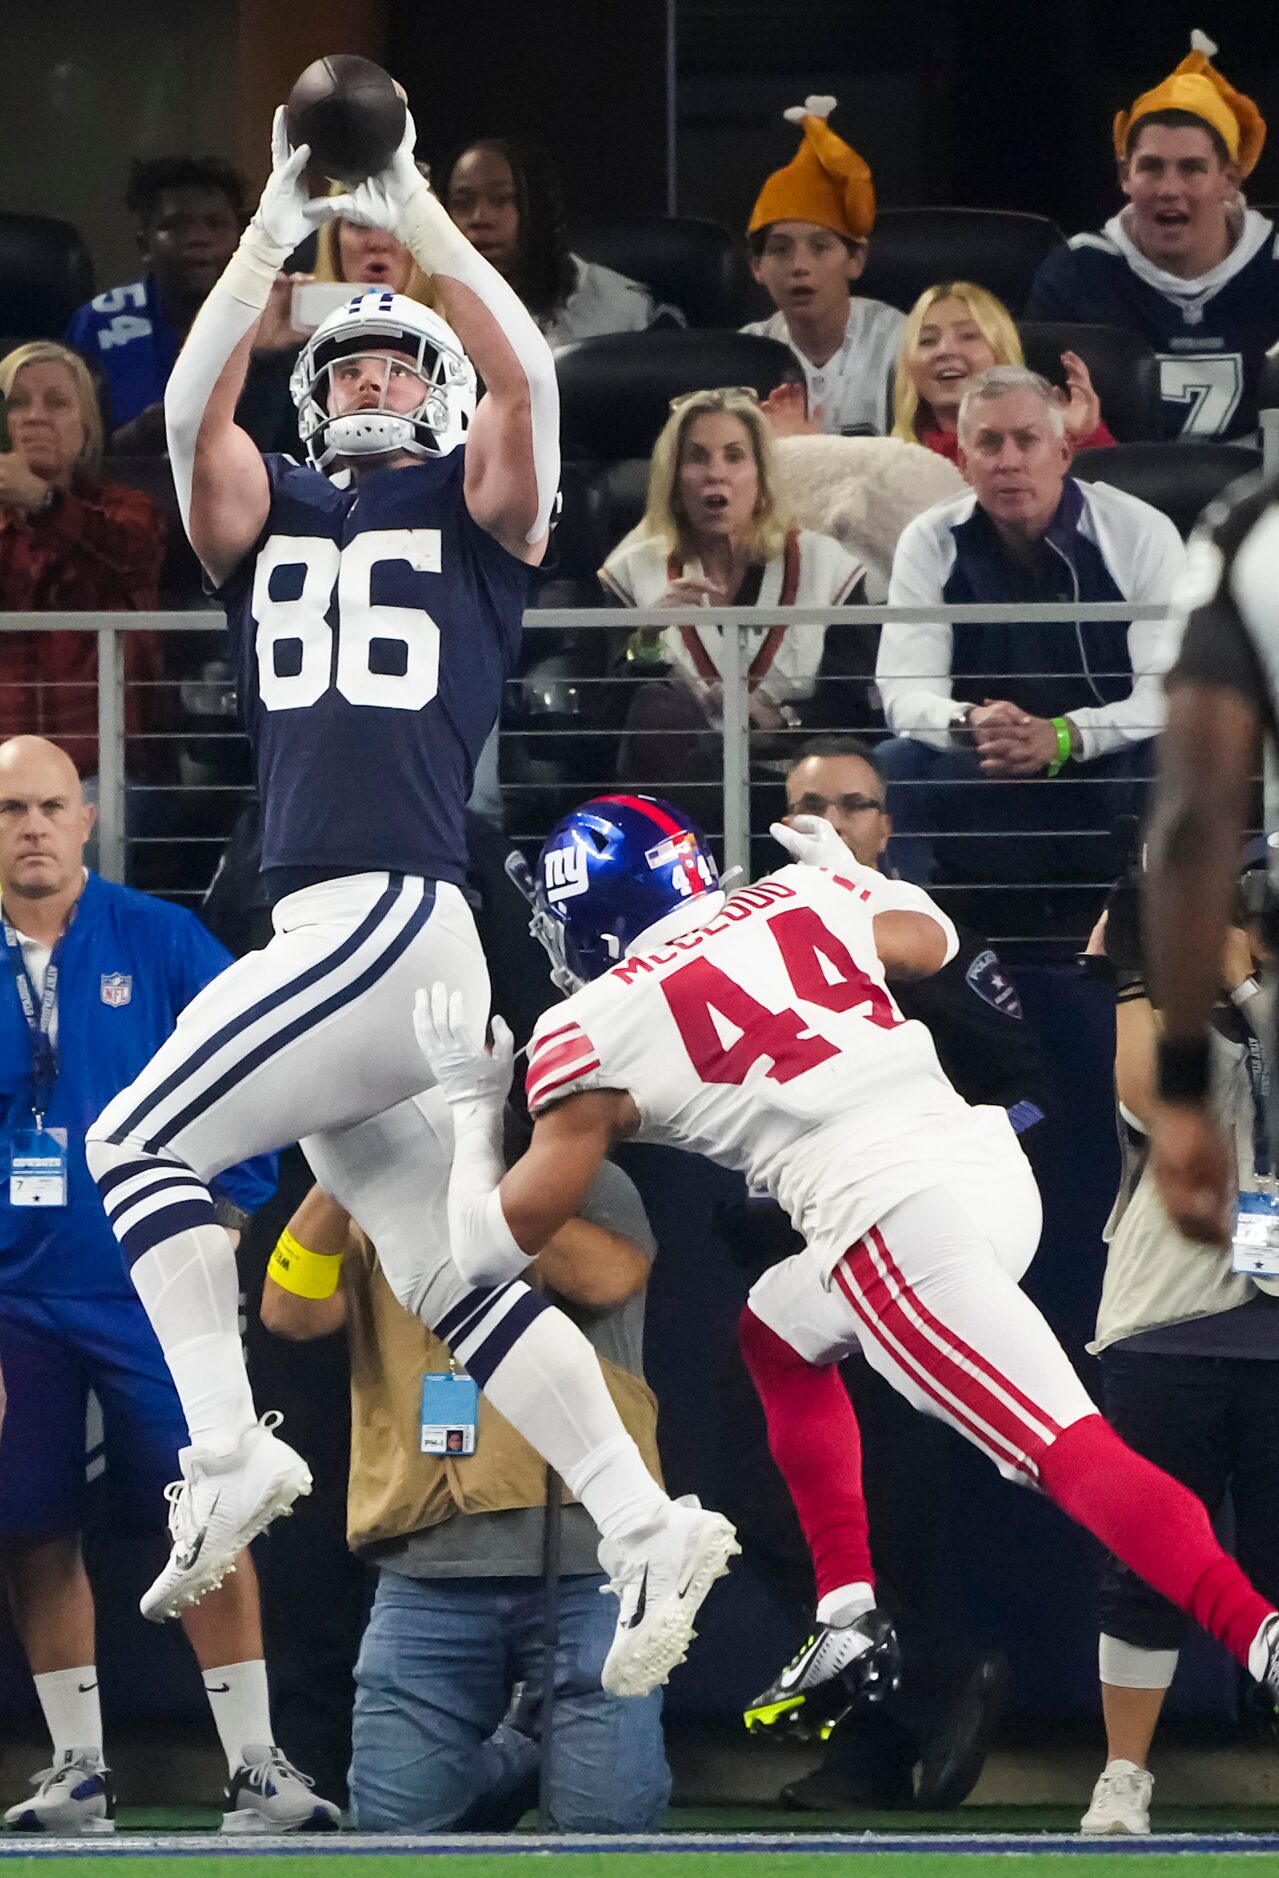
(350, 113)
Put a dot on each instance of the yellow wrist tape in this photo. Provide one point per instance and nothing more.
(307, 1274)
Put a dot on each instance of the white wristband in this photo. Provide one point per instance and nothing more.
(1242, 993)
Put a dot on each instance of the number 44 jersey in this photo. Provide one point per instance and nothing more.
(372, 629)
(768, 1041)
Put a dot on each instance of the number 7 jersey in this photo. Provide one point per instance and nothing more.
(372, 629)
(768, 1041)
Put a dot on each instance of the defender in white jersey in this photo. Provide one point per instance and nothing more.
(760, 1030)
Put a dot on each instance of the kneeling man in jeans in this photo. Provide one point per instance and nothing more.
(448, 1682)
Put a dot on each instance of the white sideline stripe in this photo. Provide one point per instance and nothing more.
(406, 1845)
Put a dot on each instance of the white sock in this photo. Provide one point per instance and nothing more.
(190, 1290)
(845, 1603)
(72, 1714)
(241, 1708)
(550, 1387)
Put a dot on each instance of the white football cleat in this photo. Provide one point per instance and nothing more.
(1120, 1801)
(221, 1502)
(660, 1584)
(269, 1794)
(73, 1797)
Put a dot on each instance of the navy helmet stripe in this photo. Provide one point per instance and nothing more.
(282, 995)
(305, 1021)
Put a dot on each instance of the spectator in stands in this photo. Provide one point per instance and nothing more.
(1187, 265)
(187, 212)
(996, 702)
(506, 200)
(447, 1707)
(809, 233)
(93, 981)
(1188, 1336)
(69, 542)
(953, 332)
(714, 533)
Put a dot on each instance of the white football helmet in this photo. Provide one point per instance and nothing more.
(372, 319)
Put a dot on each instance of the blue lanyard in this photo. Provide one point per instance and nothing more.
(44, 1067)
(1259, 1089)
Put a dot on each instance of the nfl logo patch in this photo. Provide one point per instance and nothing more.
(117, 988)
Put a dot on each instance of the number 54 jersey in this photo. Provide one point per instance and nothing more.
(372, 629)
(768, 1041)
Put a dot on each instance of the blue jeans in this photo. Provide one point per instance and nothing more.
(437, 1669)
(953, 824)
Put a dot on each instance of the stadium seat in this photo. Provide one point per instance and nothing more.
(616, 391)
(45, 274)
(1124, 371)
(578, 544)
(912, 249)
(684, 262)
(1179, 478)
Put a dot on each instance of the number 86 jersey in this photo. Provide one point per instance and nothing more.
(372, 629)
(768, 1041)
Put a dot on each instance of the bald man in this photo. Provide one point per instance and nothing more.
(94, 976)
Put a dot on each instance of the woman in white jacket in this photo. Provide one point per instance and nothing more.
(715, 533)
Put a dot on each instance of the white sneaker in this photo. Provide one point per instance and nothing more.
(660, 1587)
(1120, 1800)
(221, 1502)
(268, 1794)
(72, 1797)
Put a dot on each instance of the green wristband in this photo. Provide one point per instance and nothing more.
(1062, 728)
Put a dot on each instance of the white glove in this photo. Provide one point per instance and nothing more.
(398, 201)
(286, 215)
(812, 840)
(464, 1069)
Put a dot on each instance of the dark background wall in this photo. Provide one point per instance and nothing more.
(1003, 106)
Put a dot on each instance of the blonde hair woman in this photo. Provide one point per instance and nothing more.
(68, 542)
(954, 331)
(346, 251)
(715, 533)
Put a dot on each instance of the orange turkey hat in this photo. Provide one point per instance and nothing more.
(1198, 87)
(825, 182)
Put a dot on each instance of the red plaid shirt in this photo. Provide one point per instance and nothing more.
(96, 551)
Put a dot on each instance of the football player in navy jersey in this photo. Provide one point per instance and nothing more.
(1186, 265)
(374, 598)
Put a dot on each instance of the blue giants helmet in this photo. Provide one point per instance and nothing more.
(609, 872)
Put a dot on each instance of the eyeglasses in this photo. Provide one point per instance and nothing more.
(718, 391)
(847, 805)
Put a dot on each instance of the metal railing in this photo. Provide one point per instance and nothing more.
(732, 785)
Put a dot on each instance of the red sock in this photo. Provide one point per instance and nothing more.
(814, 1438)
(1156, 1526)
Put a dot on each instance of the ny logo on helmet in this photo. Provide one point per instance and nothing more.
(565, 873)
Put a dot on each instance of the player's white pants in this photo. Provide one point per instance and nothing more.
(931, 1296)
(312, 1033)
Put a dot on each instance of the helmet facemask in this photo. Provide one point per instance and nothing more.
(434, 425)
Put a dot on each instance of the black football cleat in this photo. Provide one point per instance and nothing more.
(839, 1667)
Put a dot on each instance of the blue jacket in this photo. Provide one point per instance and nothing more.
(127, 966)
